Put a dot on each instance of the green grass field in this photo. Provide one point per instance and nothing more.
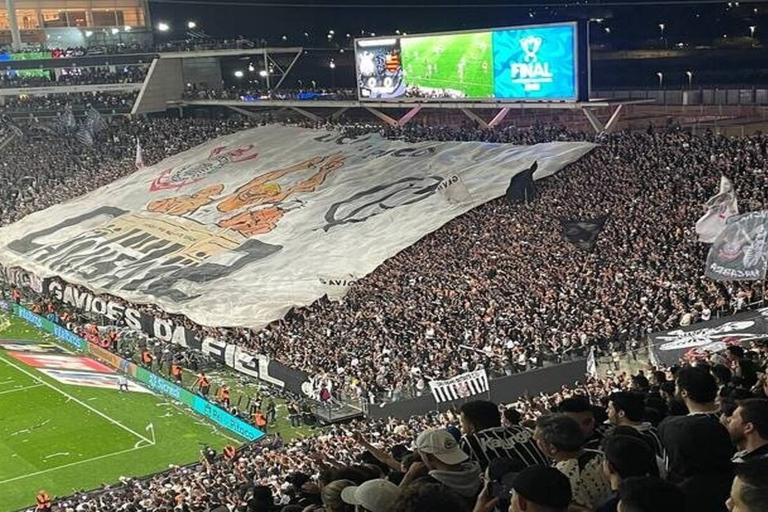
(63, 438)
(462, 62)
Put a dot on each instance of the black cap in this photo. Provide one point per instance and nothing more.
(543, 486)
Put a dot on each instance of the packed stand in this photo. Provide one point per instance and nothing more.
(44, 169)
(255, 94)
(108, 102)
(688, 439)
(79, 76)
(496, 288)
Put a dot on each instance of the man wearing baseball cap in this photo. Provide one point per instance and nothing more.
(372, 496)
(445, 463)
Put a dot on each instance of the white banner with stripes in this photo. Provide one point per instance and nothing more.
(461, 386)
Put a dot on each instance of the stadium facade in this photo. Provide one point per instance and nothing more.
(73, 23)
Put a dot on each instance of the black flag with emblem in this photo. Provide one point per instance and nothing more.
(583, 233)
(521, 187)
(740, 251)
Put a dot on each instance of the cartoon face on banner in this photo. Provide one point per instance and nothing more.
(190, 173)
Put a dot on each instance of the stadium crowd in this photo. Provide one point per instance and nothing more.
(500, 281)
(254, 94)
(496, 288)
(672, 441)
(55, 103)
(78, 76)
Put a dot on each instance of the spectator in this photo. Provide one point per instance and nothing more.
(748, 428)
(372, 496)
(486, 440)
(425, 497)
(562, 439)
(580, 410)
(625, 457)
(749, 492)
(651, 494)
(331, 496)
(540, 489)
(697, 446)
(446, 463)
(628, 409)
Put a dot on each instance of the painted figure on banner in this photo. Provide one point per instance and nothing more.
(265, 195)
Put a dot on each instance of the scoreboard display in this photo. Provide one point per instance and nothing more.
(528, 63)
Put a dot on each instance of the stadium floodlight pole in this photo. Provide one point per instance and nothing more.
(10, 8)
(266, 67)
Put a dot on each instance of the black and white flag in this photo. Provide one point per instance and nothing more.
(718, 209)
(740, 251)
(583, 233)
(461, 386)
(94, 121)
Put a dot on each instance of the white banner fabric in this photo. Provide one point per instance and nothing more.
(462, 386)
(237, 231)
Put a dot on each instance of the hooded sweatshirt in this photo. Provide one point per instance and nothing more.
(464, 480)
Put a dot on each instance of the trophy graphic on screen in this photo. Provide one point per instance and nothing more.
(530, 46)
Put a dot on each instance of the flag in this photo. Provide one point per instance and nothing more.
(84, 136)
(583, 233)
(139, 155)
(12, 126)
(719, 208)
(66, 122)
(591, 363)
(461, 386)
(521, 188)
(94, 120)
(740, 251)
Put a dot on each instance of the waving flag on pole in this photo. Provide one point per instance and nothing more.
(719, 208)
(139, 155)
(592, 363)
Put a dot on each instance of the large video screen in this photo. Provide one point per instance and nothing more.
(533, 63)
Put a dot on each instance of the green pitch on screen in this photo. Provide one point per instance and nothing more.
(63, 438)
(462, 62)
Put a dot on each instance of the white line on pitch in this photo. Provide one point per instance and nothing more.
(20, 389)
(41, 472)
(44, 383)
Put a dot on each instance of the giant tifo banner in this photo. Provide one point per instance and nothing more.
(694, 341)
(241, 229)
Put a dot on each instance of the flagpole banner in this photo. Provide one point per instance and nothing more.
(740, 251)
(462, 386)
(719, 208)
(241, 229)
(592, 363)
(583, 233)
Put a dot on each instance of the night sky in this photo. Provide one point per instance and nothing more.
(623, 26)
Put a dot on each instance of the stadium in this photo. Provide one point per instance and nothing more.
(453, 269)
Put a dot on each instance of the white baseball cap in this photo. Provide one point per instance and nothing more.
(440, 443)
(374, 495)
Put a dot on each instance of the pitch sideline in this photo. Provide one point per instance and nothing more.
(78, 401)
(43, 471)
